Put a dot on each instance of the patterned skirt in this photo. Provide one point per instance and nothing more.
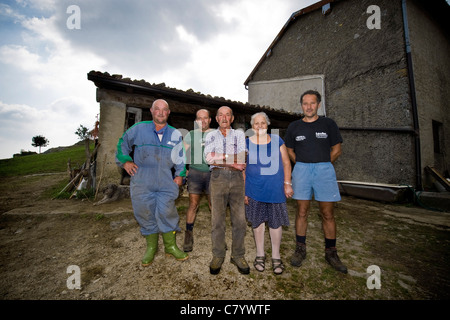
(275, 214)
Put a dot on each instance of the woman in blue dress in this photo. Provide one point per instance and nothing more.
(267, 185)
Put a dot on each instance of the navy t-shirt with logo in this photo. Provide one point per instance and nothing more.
(312, 141)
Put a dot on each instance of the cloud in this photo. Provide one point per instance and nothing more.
(134, 35)
(220, 66)
(19, 57)
(209, 46)
(48, 93)
(40, 5)
(19, 123)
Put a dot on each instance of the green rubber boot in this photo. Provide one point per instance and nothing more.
(170, 246)
(152, 246)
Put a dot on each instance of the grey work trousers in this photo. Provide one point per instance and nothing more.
(227, 188)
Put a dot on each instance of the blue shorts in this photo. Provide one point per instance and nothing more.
(318, 179)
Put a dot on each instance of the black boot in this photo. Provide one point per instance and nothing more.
(333, 259)
(188, 241)
(299, 254)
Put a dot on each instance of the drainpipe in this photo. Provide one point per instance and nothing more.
(412, 88)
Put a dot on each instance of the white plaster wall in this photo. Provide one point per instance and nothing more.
(284, 94)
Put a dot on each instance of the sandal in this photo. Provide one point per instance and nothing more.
(277, 264)
(260, 261)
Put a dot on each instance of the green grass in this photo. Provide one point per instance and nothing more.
(43, 163)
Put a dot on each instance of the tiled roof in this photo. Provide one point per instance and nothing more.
(120, 83)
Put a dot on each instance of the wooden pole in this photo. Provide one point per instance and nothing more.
(101, 175)
(71, 182)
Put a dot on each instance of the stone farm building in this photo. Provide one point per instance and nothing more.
(123, 102)
(383, 68)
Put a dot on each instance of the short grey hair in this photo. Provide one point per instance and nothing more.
(231, 110)
(252, 119)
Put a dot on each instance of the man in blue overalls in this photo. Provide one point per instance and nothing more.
(154, 187)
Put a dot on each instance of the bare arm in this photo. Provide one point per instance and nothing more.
(335, 152)
(288, 191)
(291, 154)
(286, 163)
(186, 148)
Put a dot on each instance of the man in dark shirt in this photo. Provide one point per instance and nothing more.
(313, 144)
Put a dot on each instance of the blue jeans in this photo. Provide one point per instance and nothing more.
(227, 188)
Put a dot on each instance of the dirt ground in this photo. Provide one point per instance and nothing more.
(41, 238)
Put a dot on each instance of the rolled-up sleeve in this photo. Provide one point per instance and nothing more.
(209, 143)
(240, 141)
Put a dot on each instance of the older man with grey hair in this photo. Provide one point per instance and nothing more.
(225, 152)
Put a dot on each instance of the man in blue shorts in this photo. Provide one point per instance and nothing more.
(313, 144)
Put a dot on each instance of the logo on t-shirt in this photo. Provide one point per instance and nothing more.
(321, 135)
(300, 138)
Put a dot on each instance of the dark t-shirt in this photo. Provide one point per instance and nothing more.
(312, 141)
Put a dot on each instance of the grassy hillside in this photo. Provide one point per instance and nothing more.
(43, 163)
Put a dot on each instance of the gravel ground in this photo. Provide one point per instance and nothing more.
(41, 238)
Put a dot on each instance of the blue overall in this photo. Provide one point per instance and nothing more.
(153, 191)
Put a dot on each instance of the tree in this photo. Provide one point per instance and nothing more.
(39, 141)
(83, 133)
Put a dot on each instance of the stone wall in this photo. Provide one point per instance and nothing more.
(111, 128)
(431, 61)
(366, 84)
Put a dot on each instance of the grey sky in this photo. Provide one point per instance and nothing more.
(209, 46)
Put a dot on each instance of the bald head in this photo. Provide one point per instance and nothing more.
(160, 112)
(202, 119)
(160, 102)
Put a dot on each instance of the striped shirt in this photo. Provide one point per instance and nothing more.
(233, 143)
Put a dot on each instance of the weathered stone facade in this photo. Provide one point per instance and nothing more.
(367, 84)
(431, 61)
